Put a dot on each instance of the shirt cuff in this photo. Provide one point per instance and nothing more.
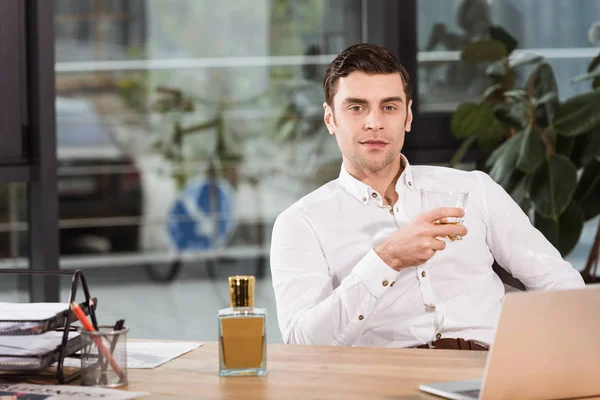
(375, 274)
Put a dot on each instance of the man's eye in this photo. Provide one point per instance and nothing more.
(389, 108)
(355, 108)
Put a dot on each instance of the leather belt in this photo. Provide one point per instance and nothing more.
(454, 344)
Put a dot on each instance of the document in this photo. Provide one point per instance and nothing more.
(32, 345)
(22, 317)
(152, 354)
(30, 311)
(54, 392)
(147, 355)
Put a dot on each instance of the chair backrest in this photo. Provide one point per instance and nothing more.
(510, 281)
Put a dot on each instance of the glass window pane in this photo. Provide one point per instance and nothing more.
(14, 241)
(184, 127)
(559, 30)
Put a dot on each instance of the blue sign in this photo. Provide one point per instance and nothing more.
(199, 219)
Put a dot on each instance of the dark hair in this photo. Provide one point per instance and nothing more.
(365, 57)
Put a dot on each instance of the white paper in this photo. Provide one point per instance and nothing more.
(55, 392)
(153, 354)
(144, 355)
(11, 312)
(31, 345)
(30, 311)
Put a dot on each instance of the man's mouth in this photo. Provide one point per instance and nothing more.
(374, 143)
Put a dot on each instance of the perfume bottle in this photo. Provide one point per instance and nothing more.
(242, 335)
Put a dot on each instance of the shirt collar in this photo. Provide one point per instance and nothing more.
(364, 193)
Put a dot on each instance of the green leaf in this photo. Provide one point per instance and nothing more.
(588, 189)
(552, 186)
(483, 50)
(462, 150)
(505, 113)
(470, 119)
(596, 83)
(564, 146)
(502, 160)
(498, 33)
(496, 69)
(524, 59)
(543, 82)
(565, 231)
(578, 115)
(493, 93)
(516, 93)
(513, 181)
(585, 148)
(519, 192)
(532, 151)
(490, 138)
(585, 77)
(595, 62)
(550, 96)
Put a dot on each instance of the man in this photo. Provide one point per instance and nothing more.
(358, 263)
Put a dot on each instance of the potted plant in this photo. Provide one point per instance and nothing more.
(542, 150)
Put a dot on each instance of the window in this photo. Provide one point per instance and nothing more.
(185, 126)
(559, 30)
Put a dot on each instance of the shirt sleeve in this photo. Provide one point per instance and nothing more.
(519, 247)
(309, 309)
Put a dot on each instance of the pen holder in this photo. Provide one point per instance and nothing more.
(104, 357)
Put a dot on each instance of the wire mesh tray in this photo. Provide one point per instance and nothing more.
(23, 327)
(41, 361)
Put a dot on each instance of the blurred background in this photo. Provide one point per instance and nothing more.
(184, 127)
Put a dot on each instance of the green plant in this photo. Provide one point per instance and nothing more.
(543, 151)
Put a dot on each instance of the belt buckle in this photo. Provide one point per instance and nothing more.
(430, 344)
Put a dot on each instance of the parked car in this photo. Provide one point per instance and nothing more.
(99, 186)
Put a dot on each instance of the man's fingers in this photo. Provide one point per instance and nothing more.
(449, 230)
(438, 245)
(441, 213)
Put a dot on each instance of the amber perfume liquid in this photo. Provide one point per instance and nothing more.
(242, 341)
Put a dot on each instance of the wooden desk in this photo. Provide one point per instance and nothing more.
(311, 372)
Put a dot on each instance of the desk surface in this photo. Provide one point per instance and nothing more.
(311, 372)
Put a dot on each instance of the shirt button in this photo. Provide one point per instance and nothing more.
(385, 283)
(409, 183)
(423, 274)
(374, 195)
(438, 336)
(392, 284)
(364, 199)
(391, 210)
(429, 308)
(360, 317)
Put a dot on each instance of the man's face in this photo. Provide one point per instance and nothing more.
(369, 119)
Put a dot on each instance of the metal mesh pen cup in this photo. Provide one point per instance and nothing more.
(104, 357)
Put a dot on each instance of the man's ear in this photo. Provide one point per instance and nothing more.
(409, 117)
(328, 118)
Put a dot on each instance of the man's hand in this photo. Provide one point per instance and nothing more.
(416, 242)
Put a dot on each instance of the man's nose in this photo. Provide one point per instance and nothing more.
(374, 121)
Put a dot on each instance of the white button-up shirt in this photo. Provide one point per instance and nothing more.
(331, 288)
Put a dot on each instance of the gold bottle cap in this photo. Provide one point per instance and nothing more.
(241, 291)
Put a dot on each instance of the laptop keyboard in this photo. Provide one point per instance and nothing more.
(471, 393)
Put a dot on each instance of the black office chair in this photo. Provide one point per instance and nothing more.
(509, 281)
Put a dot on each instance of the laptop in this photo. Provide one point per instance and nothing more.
(547, 346)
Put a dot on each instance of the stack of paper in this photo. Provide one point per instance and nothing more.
(31, 345)
(24, 318)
